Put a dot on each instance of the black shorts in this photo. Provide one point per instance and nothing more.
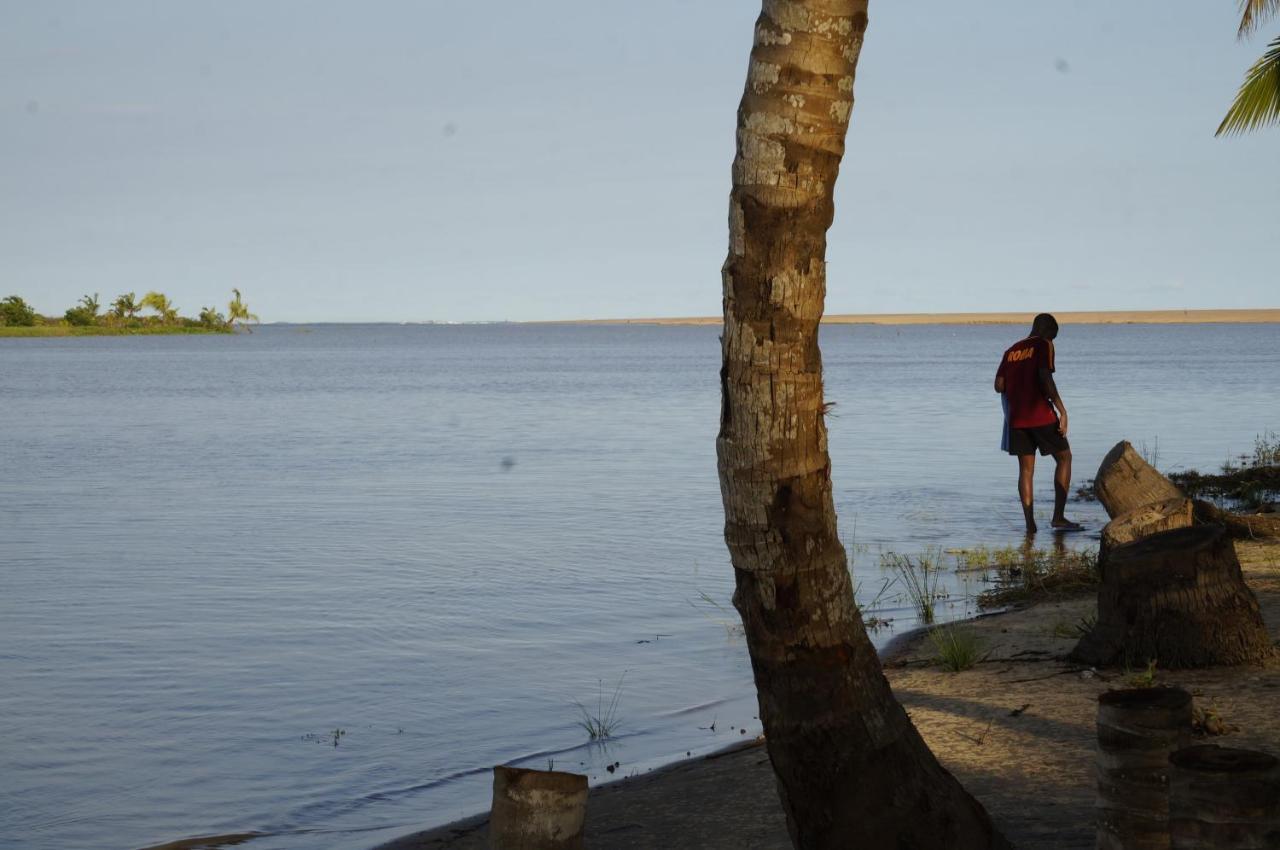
(1047, 438)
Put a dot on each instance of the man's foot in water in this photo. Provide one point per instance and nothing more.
(1064, 524)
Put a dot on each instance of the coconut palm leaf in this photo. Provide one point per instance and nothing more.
(1254, 12)
(1257, 104)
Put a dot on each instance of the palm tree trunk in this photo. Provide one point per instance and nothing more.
(852, 770)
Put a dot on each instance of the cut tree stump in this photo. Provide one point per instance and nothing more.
(1138, 730)
(537, 809)
(1177, 598)
(1125, 481)
(1239, 526)
(1224, 798)
(1145, 521)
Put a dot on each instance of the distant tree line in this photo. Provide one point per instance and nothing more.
(125, 312)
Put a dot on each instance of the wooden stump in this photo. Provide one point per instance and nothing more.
(1137, 731)
(1239, 526)
(1224, 799)
(1177, 598)
(537, 809)
(1145, 521)
(1125, 481)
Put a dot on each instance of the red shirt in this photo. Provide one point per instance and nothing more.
(1020, 367)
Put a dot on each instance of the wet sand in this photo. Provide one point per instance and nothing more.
(1092, 317)
(1017, 730)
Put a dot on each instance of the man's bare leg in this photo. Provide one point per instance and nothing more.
(1026, 472)
(1061, 483)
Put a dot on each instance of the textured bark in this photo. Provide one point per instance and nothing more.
(1145, 521)
(1125, 481)
(537, 809)
(1238, 526)
(1177, 598)
(1137, 732)
(1224, 798)
(852, 770)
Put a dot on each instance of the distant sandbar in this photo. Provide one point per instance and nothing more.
(1090, 317)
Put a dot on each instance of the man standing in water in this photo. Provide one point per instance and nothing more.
(1025, 377)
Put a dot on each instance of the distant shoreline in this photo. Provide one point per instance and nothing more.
(1066, 317)
(61, 330)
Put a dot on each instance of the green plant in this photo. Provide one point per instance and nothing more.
(125, 306)
(721, 615)
(604, 721)
(1266, 449)
(1257, 103)
(921, 579)
(958, 648)
(1078, 629)
(1028, 575)
(867, 609)
(15, 311)
(1145, 679)
(977, 559)
(85, 313)
(160, 303)
(238, 311)
(1150, 455)
(211, 318)
(76, 316)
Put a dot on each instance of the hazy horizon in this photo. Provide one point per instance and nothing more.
(405, 162)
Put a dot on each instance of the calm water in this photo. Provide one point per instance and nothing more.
(216, 551)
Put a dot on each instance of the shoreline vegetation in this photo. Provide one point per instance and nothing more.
(1246, 483)
(1089, 317)
(122, 318)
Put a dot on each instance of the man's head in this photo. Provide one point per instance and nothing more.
(1045, 326)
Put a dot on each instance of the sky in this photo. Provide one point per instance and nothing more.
(432, 161)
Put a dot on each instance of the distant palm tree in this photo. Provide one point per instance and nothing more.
(90, 304)
(126, 306)
(160, 302)
(237, 310)
(1257, 104)
(210, 317)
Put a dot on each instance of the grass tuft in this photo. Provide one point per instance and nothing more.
(958, 648)
(920, 578)
(869, 609)
(1031, 575)
(1145, 679)
(604, 721)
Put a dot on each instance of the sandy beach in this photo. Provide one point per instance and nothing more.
(1017, 730)
(1092, 317)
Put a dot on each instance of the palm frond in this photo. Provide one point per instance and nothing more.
(1253, 13)
(1257, 104)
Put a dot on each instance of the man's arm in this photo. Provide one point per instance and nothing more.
(1050, 390)
(999, 383)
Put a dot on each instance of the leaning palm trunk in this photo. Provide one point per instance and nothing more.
(852, 771)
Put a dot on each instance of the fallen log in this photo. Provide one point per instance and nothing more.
(1177, 598)
(1238, 526)
(1125, 481)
